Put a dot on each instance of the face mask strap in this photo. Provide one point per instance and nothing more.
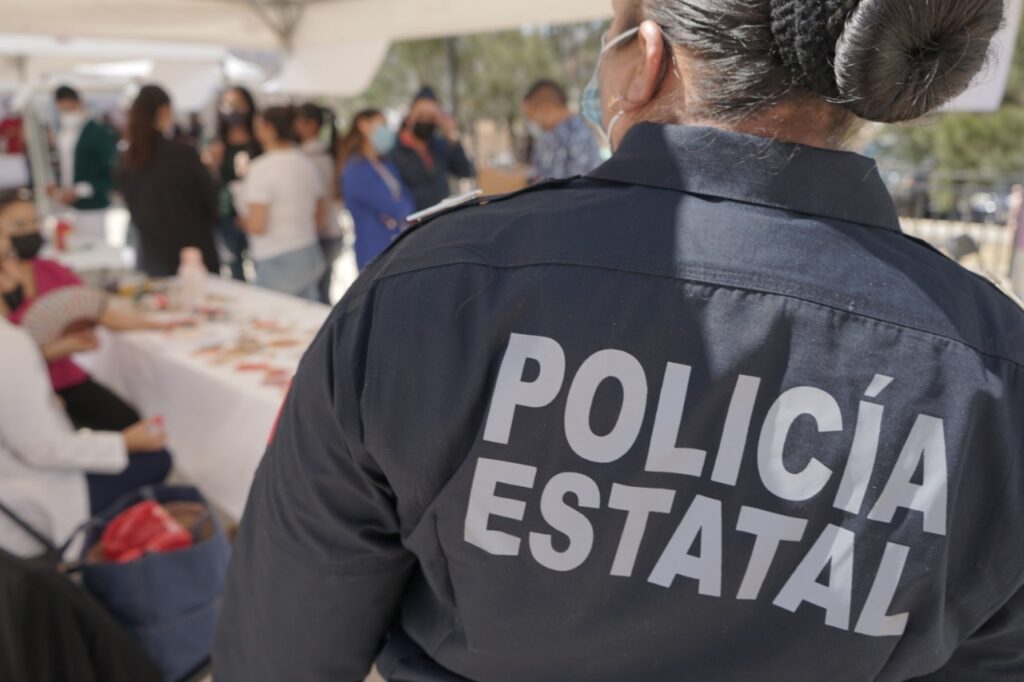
(619, 40)
(666, 64)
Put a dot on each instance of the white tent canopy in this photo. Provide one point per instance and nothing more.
(334, 47)
(270, 24)
(331, 47)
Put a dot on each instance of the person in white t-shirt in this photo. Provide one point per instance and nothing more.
(45, 465)
(309, 122)
(283, 203)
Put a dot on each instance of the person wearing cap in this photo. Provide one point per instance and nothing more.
(429, 153)
(703, 414)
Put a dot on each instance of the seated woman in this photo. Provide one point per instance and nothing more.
(373, 191)
(24, 277)
(51, 476)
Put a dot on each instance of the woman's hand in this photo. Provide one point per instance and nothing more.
(69, 344)
(148, 435)
(213, 157)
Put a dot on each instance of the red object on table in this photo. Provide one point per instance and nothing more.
(143, 528)
(64, 229)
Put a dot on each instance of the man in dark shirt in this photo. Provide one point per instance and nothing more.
(429, 152)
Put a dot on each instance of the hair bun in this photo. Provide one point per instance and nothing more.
(897, 60)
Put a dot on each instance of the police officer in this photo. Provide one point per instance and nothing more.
(705, 414)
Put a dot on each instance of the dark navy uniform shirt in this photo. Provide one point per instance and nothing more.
(706, 414)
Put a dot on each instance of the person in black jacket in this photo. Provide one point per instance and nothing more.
(171, 195)
(55, 632)
(429, 152)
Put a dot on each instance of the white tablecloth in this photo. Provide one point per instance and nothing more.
(219, 419)
(93, 257)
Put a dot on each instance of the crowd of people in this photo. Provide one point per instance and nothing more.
(263, 201)
(268, 191)
(706, 413)
(272, 187)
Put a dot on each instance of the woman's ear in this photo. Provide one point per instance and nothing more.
(651, 70)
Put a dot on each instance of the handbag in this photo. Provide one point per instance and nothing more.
(169, 601)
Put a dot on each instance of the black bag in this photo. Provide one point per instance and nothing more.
(56, 632)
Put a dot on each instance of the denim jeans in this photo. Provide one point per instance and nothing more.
(296, 273)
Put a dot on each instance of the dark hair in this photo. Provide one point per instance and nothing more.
(549, 89)
(426, 92)
(66, 93)
(311, 112)
(881, 60)
(142, 133)
(9, 197)
(352, 144)
(226, 122)
(282, 120)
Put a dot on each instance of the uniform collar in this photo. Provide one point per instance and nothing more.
(754, 170)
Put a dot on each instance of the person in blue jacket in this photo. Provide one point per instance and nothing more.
(373, 191)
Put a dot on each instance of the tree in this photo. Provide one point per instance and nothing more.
(989, 145)
(494, 69)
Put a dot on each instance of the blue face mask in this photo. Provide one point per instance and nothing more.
(591, 105)
(383, 140)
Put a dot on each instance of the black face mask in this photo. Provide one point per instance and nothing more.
(13, 299)
(424, 131)
(27, 246)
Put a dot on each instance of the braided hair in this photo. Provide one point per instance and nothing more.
(880, 60)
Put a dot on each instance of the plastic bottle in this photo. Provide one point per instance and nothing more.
(192, 279)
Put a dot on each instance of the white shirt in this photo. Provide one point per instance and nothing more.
(289, 184)
(43, 460)
(317, 152)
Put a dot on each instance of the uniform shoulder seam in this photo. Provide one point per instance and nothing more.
(707, 282)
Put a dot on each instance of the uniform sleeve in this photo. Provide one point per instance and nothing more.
(318, 566)
(33, 426)
(995, 653)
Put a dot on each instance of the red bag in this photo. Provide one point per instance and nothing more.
(143, 528)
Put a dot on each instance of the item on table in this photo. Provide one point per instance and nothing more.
(278, 378)
(209, 350)
(64, 311)
(154, 303)
(284, 343)
(269, 326)
(192, 278)
(62, 233)
(252, 367)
